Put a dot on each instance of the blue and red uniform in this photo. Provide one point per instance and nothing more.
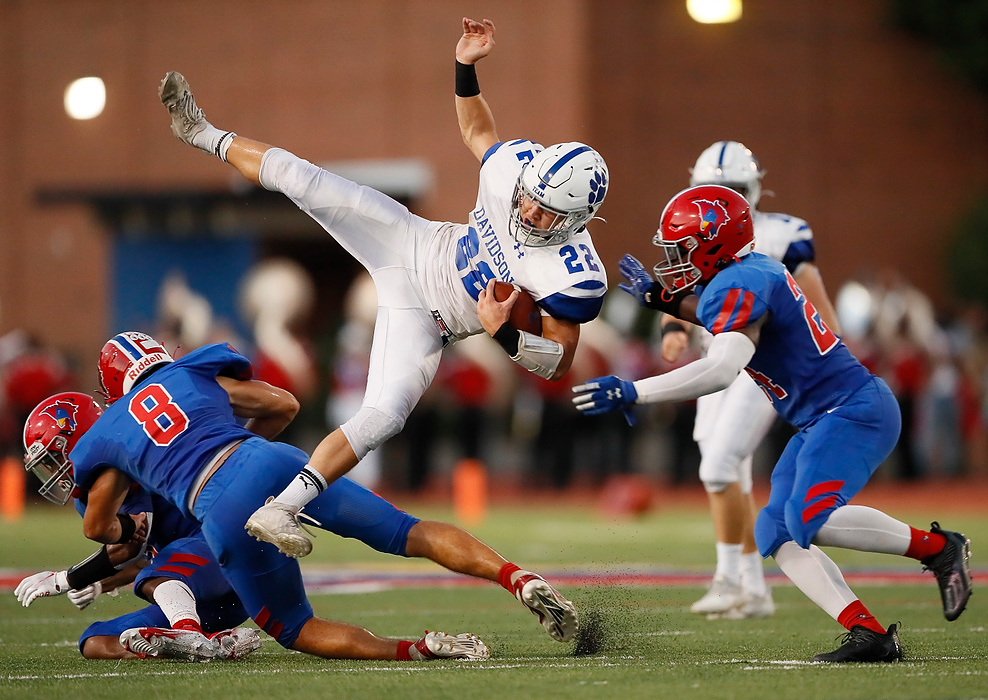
(166, 431)
(848, 419)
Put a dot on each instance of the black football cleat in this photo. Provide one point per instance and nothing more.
(863, 645)
(950, 566)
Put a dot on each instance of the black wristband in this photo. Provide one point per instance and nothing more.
(466, 80)
(128, 526)
(660, 299)
(673, 327)
(95, 568)
(508, 337)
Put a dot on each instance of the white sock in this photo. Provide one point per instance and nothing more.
(753, 575)
(816, 575)
(303, 488)
(213, 140)
(728, 561)
(865, 530)
(176, 601)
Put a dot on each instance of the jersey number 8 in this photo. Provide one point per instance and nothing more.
(159, 415)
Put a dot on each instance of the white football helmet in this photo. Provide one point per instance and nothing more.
(730, 164)
(568, 180)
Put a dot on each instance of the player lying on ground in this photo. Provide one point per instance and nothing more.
(434, 279)
(192, 606)
(848, 419)
(172, 427)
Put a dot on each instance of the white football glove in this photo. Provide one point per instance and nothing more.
(44, 583)
(83, 597)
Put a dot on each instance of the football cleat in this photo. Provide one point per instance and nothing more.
(722, 596)
(751, 607)
(187, 119)
(557, 615)
(278, 523)
(439, 645)
(864, 645)
(236, 643)
(166, 643)
(950, 566)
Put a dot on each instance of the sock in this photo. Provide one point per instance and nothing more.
(504, 577)
(857, 614)
(923, 544)
(863, 529)
(728, 561)
(816, 575)
(213, 140)
(178, 604)
(303, 488)
(403, 653)
(753, 575)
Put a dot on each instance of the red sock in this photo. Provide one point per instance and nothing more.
(857, 614)
(924, 544)
(504, 577)
(188, 624)
(403, 648)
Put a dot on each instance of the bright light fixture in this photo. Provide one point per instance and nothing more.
(714, 11)
(85, 98)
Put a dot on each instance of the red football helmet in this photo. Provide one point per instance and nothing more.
(701, 230)
(123, 360)
(50, 433)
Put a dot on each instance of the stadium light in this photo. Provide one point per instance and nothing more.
(85, 98)
(714, 11)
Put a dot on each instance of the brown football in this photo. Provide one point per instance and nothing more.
(525, 314)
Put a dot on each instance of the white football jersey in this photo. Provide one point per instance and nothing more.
(567, 281)
(788, 239)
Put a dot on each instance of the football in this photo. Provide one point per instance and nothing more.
(525, 314)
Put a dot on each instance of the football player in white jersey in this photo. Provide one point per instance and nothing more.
(434, 279)
(731, 423)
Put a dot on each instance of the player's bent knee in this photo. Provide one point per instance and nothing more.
(717, 486)
(802, 532)
(370, 428)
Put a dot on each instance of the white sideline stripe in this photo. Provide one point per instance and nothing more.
(403, 668)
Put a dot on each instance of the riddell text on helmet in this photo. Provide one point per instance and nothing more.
(138, 367)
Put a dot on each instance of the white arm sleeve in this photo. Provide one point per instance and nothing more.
(726, 357)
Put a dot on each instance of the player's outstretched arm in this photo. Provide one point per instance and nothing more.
(472, 111)
(269, 408)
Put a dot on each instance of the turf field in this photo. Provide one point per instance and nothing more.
(633, 581)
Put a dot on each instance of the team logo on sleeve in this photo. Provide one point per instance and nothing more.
(63, 413)
(713, 215)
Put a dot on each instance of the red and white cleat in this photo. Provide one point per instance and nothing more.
(166, 643)
(439, 645)
(557, 615)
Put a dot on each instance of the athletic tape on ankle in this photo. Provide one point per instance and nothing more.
(223, 145)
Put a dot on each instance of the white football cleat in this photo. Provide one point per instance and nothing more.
(722, 596)
(557, 615)
(439, 645)
(751, 607)
(167, 643)
(237, 643)
(187, 119)
(278, 523)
